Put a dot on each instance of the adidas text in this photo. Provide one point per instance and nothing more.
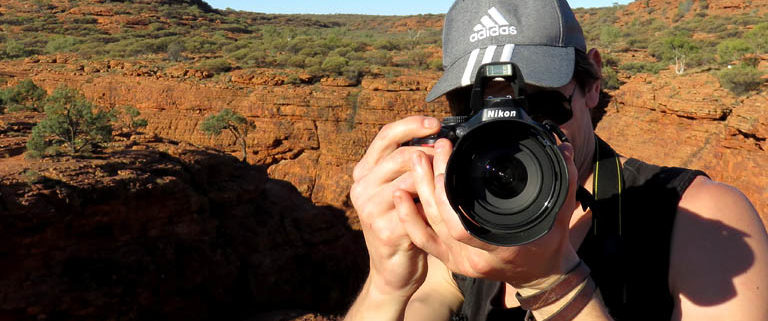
(493, 32)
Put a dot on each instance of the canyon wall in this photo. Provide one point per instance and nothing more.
(312, 135)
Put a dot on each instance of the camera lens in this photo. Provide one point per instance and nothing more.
(506, 180)
(505, 176)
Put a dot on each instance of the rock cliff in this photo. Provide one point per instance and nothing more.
(162, 230)
(311, 135)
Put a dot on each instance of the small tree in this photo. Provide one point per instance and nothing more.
(233, 122)
(175, 51)
(128, 120)
(70, 120)
(674, 48)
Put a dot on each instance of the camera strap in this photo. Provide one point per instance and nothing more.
(604, 243)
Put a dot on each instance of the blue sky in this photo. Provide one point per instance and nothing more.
(385, 7)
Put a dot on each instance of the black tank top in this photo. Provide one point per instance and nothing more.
(650, 199)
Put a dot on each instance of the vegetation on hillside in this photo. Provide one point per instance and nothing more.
(168, 32)
(701, 42)
(218, 41)
(72, 124)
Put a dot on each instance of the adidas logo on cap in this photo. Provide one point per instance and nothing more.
(491, 25)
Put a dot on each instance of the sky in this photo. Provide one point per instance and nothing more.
(377, 7)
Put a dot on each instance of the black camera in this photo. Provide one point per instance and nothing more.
(506, 178)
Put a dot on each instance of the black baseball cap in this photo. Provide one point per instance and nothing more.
(540, 36)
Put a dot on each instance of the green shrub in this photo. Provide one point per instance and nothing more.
(733, 49)
(758, 37)
(741, 79)
(436, 64)
(342, 52)
(215, 66)
(610, 36)
(128, 120)
(199, 45)
(683, 8)
(13, 49)
(334, 64)
(26, 95)
(379, 58)
(296, 61)
(175, 51)
(609, 60)
(636, 67)
(32, 177)
(386, 44)
(85, 20)
(418, 58)
(62, 44)
(610, 79)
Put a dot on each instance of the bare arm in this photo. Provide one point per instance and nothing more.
(719, 258)
(436, 299)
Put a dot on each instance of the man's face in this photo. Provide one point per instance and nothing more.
(569, 96)
(554, 104)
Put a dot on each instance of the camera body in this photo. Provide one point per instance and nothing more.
(505, 178)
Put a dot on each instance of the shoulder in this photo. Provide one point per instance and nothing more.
(719, 254)
(716, 200)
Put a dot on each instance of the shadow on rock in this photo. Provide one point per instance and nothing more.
(186, 235)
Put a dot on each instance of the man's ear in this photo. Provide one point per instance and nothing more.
(592, 94)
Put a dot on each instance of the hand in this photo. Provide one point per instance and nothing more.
(434, 227)
(398, 267)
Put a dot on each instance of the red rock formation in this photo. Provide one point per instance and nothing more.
(313, 135)
(669, 10)
(185, 234)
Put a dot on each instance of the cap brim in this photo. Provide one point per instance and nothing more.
(543, 66)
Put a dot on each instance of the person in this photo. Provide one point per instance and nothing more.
(665, 243)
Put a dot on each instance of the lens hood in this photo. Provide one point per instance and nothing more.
(507, 180)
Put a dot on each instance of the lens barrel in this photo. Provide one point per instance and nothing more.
(507, 180)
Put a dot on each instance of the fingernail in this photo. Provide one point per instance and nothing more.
(430, 122)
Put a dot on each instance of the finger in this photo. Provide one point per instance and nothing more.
(391, 136)
(425, 187)
(372, 199)
(450, 219)
(394, 165)
(566, 149)
(566, 211)
(414, 225)
(443, 149)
